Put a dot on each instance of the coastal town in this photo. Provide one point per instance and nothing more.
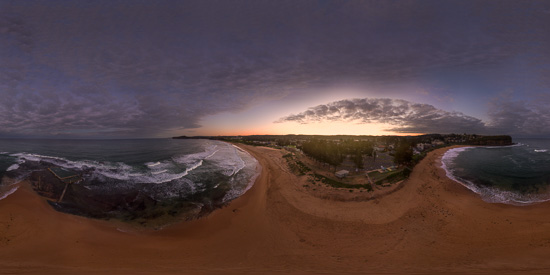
(356, 167)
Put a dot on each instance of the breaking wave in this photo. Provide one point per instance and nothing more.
(131, 179)
(9, 192)
(225, 160)
(495, 193)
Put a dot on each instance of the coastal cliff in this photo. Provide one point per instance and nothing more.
(502, 140)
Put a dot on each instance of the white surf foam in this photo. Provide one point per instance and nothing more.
(151, 164)
(503, 146)
(193, 158)
(159, 172)
(238, 148)
(488, 194)
(11, 191)
(541, 150)
(234, 193)
(229, 161)
(118, 170)
(13, 167)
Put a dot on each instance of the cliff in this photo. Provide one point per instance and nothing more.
(492, 140)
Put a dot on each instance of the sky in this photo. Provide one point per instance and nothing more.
(121, 69)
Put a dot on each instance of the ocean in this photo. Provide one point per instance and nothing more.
(517, 174)
(136, 179)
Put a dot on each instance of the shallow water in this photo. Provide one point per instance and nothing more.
(518, 174)
(180, 172)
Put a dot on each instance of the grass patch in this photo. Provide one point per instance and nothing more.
(338, 184)
(296, 166)
(392, 177)
(303, 168)
(376, 176)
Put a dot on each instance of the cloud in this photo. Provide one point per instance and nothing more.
(520, 117)
(403, 116)
(75, 113)
(155, 67)
(506, 115)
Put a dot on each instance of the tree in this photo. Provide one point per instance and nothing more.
(358, 160)
(403, 153)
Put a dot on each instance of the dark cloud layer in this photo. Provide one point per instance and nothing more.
(402, 115)
(506, 115)
(127, 68)
(529, 118)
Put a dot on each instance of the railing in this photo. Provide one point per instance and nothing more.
(67, 180)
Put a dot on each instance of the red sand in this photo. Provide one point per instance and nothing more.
(431, 225)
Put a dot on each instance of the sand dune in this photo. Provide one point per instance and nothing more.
(430, 225)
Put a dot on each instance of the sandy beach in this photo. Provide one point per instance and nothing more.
(431, 225)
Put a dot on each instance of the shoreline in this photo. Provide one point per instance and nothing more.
(431, 225)
(487, 193)
(156, 207)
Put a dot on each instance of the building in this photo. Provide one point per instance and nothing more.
(423, 146)
(342, 174)
(437, 142)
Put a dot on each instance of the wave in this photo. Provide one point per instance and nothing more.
(487, 194)
(238, 168)
(118, 171)
(541, 150)
(163, 178)
(451, 154)
(230, 165)
(494, 195)
(238, 148)
(503, 146)
(193, 158)
(36, 157)
(159, 172)
(234, 193)
(11, 191)
(151, 164)
(13, 167)
(193, 167)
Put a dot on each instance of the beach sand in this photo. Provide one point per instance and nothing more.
(431, 225)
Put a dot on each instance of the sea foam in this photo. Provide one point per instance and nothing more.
(488, 194)
(13, 167)
(9, 192)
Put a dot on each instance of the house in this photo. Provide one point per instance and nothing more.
(342, 174)
(437, 142)
(423, 146)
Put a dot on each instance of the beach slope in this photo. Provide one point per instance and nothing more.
(431, 225)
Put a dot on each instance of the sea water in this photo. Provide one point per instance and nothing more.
(165, 170)
(517, 174)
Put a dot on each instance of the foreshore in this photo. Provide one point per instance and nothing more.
(430, 225)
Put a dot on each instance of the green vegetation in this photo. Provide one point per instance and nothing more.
(395, 176)
(491, 140)
(296, 166)
(389, 177)
(303, 168)
(337, 184)
(334, 152)
(403, 153)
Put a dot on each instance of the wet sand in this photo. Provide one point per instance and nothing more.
(431, 225)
